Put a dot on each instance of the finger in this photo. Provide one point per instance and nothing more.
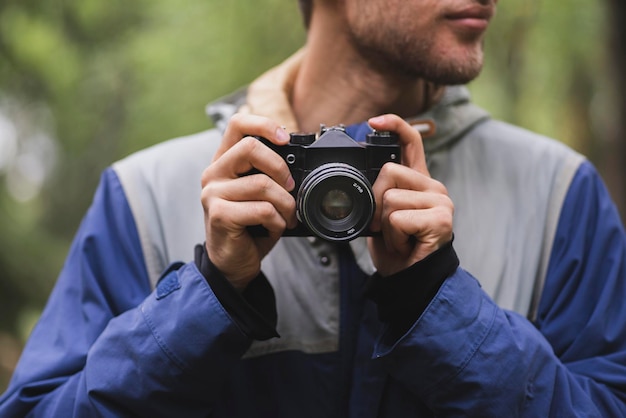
(395, 176)
(398, 199)
(247, 154)
(410, 140)
(431, 227)
(229, 219)
(257, 187)
(405, 211)
(241, 125)
(401, 177)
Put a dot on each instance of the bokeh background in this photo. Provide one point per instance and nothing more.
(86, 82)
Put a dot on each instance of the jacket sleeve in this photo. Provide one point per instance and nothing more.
(108, 345)
(467, 357)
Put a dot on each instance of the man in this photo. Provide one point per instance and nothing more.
(394, 325)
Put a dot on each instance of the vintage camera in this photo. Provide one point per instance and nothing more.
(334, 176)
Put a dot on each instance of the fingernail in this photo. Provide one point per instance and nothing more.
(281, 134)
(377, 119)
(290, 183)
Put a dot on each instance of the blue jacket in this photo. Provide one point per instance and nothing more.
(110, 342)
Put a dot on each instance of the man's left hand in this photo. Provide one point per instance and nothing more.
(413, 210)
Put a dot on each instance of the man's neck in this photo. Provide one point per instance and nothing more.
(335, 85)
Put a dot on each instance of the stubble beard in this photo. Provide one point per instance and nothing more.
(411, 59)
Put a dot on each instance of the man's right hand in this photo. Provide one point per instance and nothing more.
(233, 202)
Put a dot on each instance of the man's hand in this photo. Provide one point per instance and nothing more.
(232, 202)
(413, 211)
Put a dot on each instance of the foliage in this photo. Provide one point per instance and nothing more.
(83, 83)
(547, 69)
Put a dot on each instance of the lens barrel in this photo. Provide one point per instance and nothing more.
(335, 201)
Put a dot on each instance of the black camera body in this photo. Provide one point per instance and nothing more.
(334, 176)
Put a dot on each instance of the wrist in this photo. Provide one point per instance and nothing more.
(253, 308)
(402, 297)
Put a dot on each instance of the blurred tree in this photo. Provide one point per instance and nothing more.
(546, 68)
(99, 80)
(616, 148)
(46, 52)
(550, 68)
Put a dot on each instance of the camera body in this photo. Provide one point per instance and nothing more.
(334, 176)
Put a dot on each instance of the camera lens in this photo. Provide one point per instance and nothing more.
(336, 204)
(335, 201)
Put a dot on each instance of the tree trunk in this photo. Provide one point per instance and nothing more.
(615, 155)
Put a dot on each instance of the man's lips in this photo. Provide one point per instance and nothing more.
(472, 12)
(472, 18)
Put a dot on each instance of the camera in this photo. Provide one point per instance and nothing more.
(334, 176)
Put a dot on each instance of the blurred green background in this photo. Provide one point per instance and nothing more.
(85, 82)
